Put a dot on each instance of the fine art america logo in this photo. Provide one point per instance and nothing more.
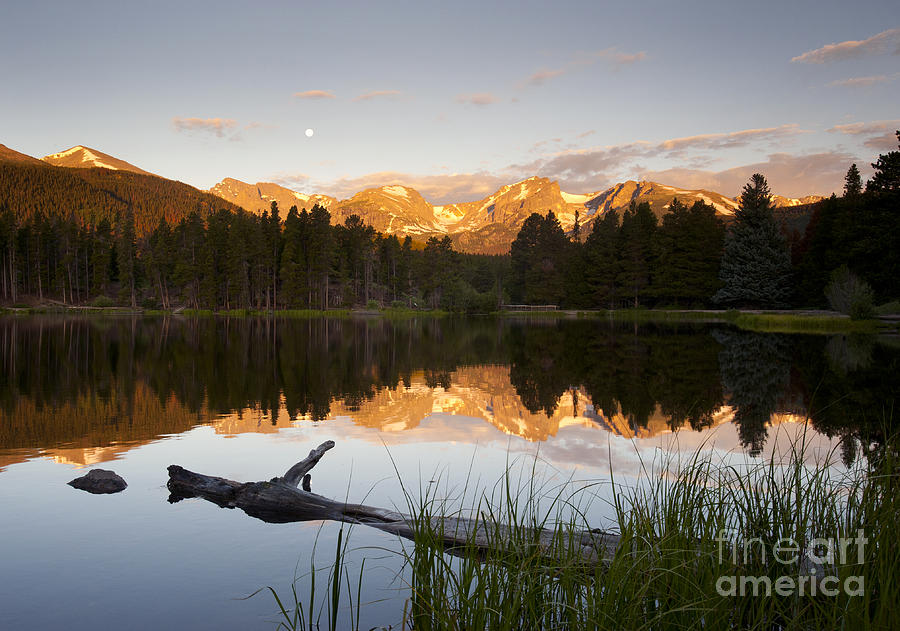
(809, 572)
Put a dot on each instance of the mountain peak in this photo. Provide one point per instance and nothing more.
(80, 157)
(485, 226)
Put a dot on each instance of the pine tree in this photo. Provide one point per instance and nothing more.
(522, 255)
(125, 254)
(320, 254)
(887, 172)
(602, 261)
(852, 182)
(159, 261)
(689, 249)
(756, 263)
(636, 239)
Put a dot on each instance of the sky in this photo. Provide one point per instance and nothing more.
(459, 98)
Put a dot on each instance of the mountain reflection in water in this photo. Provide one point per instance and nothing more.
(85, 390)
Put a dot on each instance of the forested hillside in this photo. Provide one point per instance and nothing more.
(93, 195)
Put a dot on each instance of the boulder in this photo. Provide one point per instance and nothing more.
(99, 481)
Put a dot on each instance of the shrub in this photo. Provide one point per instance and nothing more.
(847, 293)
(372, 304)
(103, 301)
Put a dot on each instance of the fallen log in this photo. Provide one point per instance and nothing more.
(279, 500)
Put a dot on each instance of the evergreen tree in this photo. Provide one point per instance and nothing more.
(887, 172)
(636, 240)
(292, 267)
(852, 182)
(539, 255)
(320, 254)
(522, 255)
(689, 249)
(438, 271)
(160, 261)
(125, 253)
(756, 263)
(601, 262)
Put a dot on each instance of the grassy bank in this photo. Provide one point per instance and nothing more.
(700, 539)
(773, 322)
(794, 323)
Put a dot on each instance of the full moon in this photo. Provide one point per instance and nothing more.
(309, 133)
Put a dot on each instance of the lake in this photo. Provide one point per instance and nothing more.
(425, 405)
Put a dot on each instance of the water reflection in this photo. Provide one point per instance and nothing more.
(84, 390)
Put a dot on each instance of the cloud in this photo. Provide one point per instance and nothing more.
(480, 98)
(597, 167)
(611, 55)
(877, 135)
(217, 126)
(541, 76)
(586, 169)
(375, 94)
(875, 45)
(729, 140)
(787, 174)
(314, 94)
(626, 59)
(860, 82)
(295, 181)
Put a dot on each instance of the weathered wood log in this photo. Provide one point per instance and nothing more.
(281, 501)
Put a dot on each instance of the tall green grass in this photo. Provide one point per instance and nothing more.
(791, 323)
(682, 527)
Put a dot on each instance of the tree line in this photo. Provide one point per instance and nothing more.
(231, 259)
(237, 260)
(694, 258)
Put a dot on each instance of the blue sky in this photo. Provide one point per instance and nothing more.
(459, 98)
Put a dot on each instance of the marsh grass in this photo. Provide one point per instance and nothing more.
(791, 323)
(781, 322)
(683, 524)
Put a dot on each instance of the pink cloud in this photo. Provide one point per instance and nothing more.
(860, 82)
(375, 94)
(314, 94)
(217, 126)
(789, 175)
(875, 45)
(876, 135)
(542, 76)
(481, 99)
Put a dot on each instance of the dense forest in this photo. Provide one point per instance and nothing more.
(82, 237)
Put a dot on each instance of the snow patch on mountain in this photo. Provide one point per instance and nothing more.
(570, 198)
(66, 153)
(87, 157)
(399, 191)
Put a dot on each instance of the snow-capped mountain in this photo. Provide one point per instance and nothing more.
(786, 202)
(258, 197)
(485, 226)
(85, 157)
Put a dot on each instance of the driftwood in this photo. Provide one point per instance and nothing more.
(280, 500)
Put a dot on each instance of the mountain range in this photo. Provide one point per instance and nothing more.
(486, 226)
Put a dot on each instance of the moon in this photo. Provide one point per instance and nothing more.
(309, 133)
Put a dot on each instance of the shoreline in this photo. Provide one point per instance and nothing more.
(772, 321)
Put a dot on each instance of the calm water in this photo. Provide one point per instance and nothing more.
(437, 399)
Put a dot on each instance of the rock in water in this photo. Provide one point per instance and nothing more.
(99, 481)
